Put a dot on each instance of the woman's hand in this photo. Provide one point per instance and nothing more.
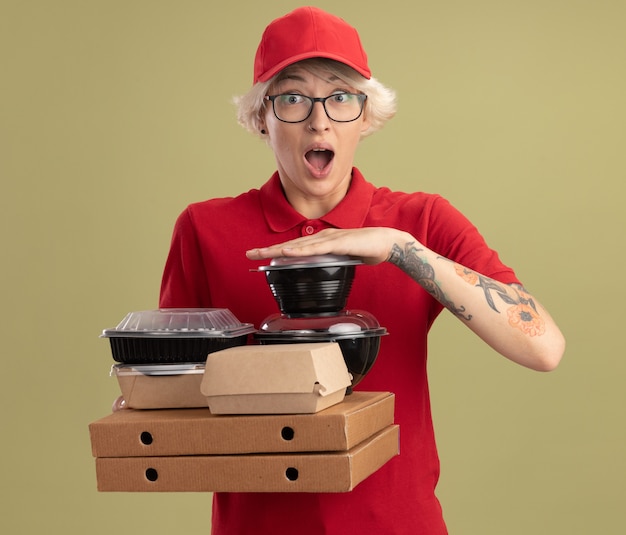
(373, 245)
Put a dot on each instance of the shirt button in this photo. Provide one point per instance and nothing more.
(309, 229)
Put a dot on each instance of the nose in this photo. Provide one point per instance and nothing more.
(318, 120)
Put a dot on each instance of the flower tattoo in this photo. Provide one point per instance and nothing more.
(522, 315)
(525, 317)
(466, 274)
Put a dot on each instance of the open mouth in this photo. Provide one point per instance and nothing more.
(319, 158)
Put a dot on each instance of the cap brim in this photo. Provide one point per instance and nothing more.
(264, 77)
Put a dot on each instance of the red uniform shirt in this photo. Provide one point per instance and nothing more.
(207, 267)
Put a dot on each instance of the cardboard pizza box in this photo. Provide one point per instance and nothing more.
(174, 432)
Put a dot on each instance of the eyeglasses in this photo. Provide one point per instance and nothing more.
(295, 108)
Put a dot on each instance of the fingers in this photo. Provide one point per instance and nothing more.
(372, 245)
(264, 252)
(299, 247)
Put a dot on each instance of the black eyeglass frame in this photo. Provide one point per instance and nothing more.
(362, 97)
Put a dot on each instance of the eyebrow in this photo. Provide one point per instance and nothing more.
(290, 77)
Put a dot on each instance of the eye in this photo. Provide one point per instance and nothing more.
(291, 99)
(343, 98)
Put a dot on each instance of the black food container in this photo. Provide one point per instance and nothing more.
(312, 284)
(172, 335)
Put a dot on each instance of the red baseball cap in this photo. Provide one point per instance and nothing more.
(308, 32)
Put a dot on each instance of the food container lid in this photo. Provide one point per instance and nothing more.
(285, 262)
(153, 369)
(327, 327)
(180, 322)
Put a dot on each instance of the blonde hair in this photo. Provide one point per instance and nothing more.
(380, 105)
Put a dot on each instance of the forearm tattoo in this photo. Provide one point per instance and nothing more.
(424, 274)
(522, 312)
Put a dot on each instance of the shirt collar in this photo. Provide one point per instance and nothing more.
(349, 213)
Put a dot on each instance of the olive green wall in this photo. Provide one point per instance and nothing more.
(114, 114)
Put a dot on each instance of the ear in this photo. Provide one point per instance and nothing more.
(365, 125)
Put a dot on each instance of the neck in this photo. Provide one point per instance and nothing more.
(312, 209)
(309, 204)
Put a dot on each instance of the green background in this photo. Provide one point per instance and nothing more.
(116, 114)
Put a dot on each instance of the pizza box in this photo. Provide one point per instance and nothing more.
(173, 432)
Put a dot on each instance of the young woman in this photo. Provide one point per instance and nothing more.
(313, 100)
